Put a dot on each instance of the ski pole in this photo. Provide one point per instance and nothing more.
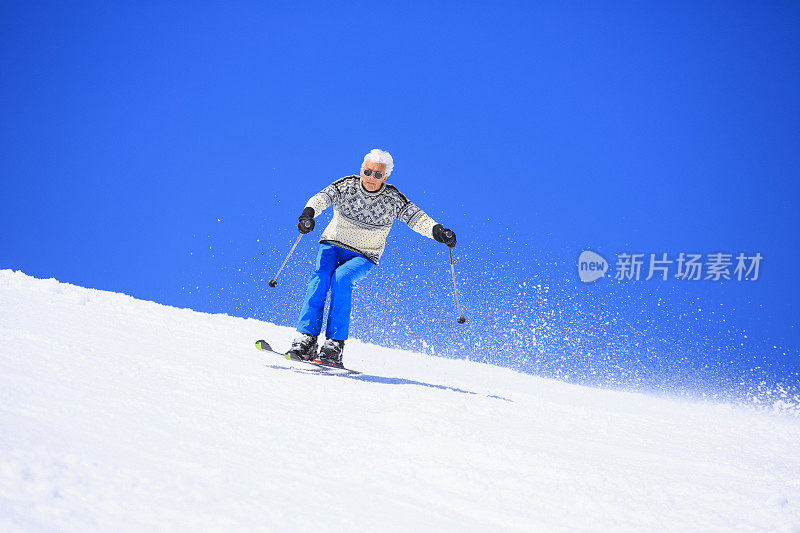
(274, 281)
(461, 318)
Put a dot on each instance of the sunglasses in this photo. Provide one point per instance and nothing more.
(368, 172)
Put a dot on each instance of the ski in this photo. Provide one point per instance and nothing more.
(265, 347)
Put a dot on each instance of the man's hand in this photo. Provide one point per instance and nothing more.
(444, 235)
(306, 221)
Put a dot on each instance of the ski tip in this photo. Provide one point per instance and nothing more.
(263, 345)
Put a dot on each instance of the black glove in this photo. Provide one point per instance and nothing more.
(444, 235)
(306, 221)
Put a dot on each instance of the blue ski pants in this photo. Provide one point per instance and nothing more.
(337, 269)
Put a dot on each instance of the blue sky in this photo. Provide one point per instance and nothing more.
(165, 150)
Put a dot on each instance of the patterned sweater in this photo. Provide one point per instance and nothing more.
(362, 219)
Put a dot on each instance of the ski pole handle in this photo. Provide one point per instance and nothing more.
(305, 225)
(274, 281)
(461, 318)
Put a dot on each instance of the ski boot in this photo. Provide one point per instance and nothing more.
(304, 347)
(331, 353)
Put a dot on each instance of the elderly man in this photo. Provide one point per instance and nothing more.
(364, 208)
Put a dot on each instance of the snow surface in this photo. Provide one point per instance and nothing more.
(117, 413)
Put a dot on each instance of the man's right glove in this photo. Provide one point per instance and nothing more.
(306, 221)
(444, 235)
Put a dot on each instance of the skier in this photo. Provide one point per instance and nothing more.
(364, 208)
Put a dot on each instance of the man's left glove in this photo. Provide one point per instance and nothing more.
(444, 235)
(306, 221)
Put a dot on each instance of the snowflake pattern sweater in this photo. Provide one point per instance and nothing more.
(362, 219)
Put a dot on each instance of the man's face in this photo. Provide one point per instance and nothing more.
(370, 182)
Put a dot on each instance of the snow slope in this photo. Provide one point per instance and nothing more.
(120, 413)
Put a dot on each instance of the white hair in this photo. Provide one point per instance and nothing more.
(380, 156)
